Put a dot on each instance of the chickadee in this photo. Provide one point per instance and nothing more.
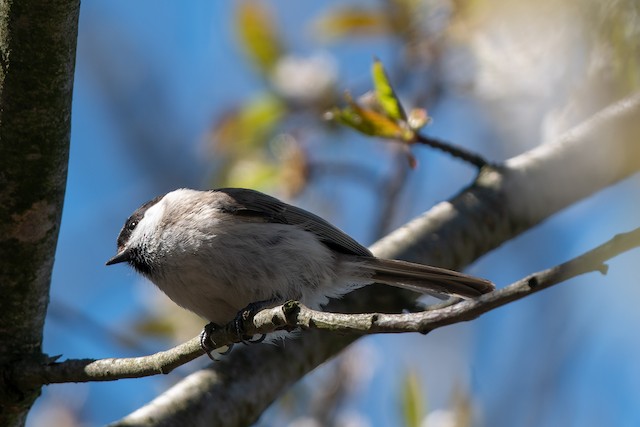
(216, 252)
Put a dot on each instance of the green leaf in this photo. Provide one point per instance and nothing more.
(351, 21)
(248, 127)
(387, 97)
(259, 34)
(253, 172)
(154, 326)
(260, 117)
(366, 121)
(412, 401)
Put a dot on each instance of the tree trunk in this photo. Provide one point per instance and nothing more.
(37, 59)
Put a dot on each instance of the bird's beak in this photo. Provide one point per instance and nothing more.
(122, 256)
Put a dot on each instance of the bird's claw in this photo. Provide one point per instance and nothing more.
(246, 313)
(206, 343)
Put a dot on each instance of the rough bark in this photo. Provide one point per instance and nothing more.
(37, 59)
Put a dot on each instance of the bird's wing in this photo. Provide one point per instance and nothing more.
(242, 201)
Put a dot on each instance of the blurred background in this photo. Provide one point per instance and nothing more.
(205, 94)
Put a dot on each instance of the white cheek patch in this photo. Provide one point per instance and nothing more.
(149, 222)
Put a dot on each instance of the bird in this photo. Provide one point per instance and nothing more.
(216, 252)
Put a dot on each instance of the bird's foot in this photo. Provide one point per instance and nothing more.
(207, 344)
(247, 313)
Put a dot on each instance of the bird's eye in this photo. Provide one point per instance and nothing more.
(132, 225)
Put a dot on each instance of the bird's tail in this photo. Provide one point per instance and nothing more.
(422, 278)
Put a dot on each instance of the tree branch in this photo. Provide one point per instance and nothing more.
(502, 203)
(455, 151)
(293, 315)
(83, 370)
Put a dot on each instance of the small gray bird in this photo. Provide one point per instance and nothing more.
(216, 252)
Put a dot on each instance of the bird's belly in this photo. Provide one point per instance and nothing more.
(236, 269)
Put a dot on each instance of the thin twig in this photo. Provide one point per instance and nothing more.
(455, 151)
(292, 315)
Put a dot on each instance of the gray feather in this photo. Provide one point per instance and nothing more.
(424, 278)
(253, 203)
